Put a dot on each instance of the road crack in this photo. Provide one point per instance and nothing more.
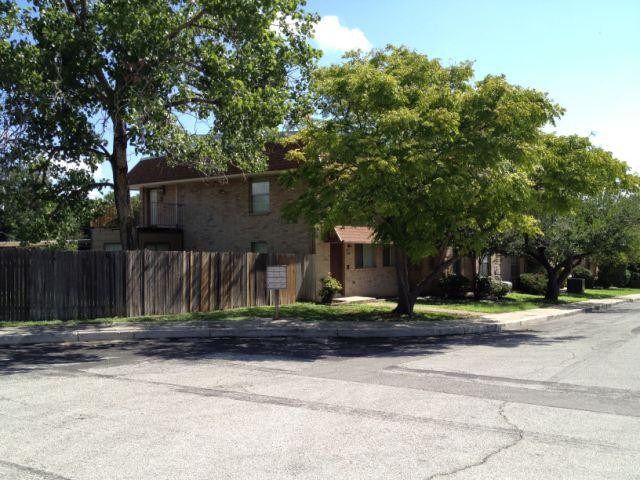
(43, 474)
(518, 436)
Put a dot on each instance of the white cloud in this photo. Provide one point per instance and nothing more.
(331, 35)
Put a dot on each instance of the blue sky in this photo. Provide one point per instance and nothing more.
(585, 54)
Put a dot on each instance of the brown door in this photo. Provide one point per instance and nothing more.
(337, 263)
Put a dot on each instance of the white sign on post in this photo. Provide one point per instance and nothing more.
(277, 277)
(277, 280)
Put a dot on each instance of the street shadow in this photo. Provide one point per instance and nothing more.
(302, 350)
(28, 358)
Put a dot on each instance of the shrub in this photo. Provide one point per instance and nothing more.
(493, 287)
(584, 273)
(613, 275)
(330, 286)
(454, 286)
(534, 283)
(634, 280)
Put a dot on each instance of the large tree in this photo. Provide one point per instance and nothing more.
(201, 81)
(420, 153)
(584, 205)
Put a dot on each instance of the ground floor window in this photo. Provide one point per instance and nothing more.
(388, 256)
(457, 267)
(485, 266)
(365, 256)
(112, 247)
(514, 267)
(259, 247)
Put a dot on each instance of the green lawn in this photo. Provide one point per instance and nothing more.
(380, 312)
(426, 309)
(518, 301)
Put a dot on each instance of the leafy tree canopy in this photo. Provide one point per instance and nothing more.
(202, 81)
(419, 152)
(585, 204)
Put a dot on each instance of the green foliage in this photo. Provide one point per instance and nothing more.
(604, 226)
(613, 274)
(492, 287)
(584, 273)
(205, 82)
(403, 147)
(454, 286)
(417, 151)
(534, 283)
(45, 201)
(330, 286)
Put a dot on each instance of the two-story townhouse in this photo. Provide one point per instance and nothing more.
(185, 209)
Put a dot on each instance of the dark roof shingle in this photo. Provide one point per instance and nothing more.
(157, 170)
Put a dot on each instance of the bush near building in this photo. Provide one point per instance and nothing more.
(534, 283)
(613, 275)
(493, 287)
(455, 286)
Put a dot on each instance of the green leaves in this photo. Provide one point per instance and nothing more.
(418, 152)
(204, 82)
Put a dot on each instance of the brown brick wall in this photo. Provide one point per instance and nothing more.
(377, 281)
(100, 236)
(216, 217)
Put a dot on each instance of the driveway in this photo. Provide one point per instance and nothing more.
(561, 401)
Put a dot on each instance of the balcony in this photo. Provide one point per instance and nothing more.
(163, 215)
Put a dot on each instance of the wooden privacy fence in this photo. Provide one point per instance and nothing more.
(48, 285)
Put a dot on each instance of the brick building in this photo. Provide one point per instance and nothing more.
(184, 209)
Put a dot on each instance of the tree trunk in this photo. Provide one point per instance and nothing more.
(408, 295)
(474, 277)
(553, 285)
(566, 271)
(406, 299)
(121, 185)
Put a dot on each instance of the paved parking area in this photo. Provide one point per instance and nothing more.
(561, 401)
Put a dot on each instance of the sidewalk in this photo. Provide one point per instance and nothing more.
(263, 328)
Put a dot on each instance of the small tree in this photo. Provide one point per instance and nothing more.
(205, 82)
(584, 206)
(418, 152)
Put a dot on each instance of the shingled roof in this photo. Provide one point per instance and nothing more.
(354, 234)
(157, 170)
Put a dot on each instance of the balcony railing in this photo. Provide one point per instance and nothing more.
(163, 215)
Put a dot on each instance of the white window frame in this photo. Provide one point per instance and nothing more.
(261, 194)
(368, 255)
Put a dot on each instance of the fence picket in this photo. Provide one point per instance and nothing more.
(47, 285)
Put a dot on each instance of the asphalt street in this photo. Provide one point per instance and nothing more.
(556, 402)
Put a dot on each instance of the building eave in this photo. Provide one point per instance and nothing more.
(217, 178)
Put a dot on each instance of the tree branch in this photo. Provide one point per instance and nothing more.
(194, 100)
(174, 33)
(102, 152)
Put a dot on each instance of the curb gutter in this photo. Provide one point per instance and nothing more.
(484, 324)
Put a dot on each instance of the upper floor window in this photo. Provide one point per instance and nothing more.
(365, 256)
(260, 197)
(155, 196)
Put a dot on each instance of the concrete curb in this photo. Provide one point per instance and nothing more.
(485, 324)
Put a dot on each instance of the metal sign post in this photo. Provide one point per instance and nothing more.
(277, 280)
